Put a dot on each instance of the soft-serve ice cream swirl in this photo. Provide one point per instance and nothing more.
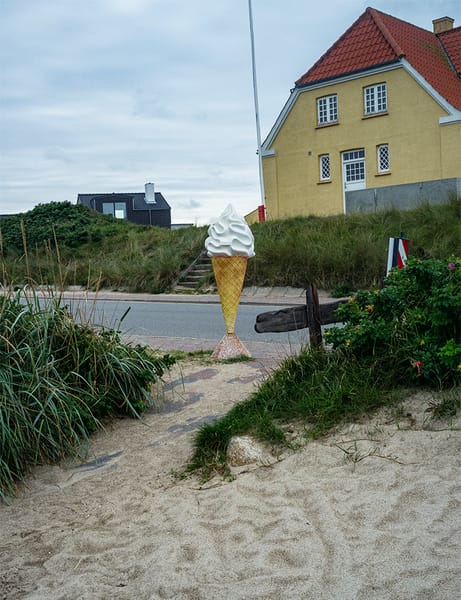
(230, 236)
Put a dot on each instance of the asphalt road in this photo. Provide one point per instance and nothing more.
(187, 320)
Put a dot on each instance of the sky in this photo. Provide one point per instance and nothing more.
(101, 96)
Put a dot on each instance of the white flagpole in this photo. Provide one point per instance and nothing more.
(262, 212)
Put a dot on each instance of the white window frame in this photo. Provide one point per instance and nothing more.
(327, 109)
(375, 99)
(324, 167)
(383, 158)
(354, 166)
(115, 209)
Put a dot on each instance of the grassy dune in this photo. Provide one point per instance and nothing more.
(69, 245)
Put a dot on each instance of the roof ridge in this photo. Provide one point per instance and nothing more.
(380, 12)
(376, 16)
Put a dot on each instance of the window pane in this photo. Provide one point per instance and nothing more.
(324, 167)
(355, 171)
(354, 155)
(327, 109)
(333, 108)
(383, 158)
(108, 208)
(322, 110)
(381, 98)
(120, 210)
(369, 100)
(375, 99)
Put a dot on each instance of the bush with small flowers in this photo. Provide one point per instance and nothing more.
(410, 330)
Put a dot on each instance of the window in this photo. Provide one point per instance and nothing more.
(327, 109)
(384, 163)
(375, 99)
(324, 163)
(115, 209)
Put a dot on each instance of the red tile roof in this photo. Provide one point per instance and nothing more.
(376, 39)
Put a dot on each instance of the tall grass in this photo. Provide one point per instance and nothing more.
(58, 379)
(348, 251)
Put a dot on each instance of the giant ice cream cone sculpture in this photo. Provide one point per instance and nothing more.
(230, 244)
(229, 272)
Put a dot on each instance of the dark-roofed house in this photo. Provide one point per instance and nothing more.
(143, 208)
(374, 123)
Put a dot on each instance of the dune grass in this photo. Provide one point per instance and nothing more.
(72, 245)
(317, 388)
(351, 250)
(347, 252)
(59, 380)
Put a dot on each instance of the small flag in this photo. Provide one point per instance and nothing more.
(398, 252)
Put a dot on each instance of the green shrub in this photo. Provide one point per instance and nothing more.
(412, 326)
(69, 224)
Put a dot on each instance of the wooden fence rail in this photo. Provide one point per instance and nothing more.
(311, 315)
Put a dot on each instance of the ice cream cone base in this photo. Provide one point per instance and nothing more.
(230, 347)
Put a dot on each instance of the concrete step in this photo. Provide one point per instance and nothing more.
(185, 286)
(197, 275)
(200, 272)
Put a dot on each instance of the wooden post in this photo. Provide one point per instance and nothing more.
(313, 316)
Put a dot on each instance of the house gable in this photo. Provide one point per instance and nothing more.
(377, 42)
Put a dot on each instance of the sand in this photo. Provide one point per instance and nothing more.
(373, 511)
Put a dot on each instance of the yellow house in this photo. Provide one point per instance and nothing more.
(374, 123)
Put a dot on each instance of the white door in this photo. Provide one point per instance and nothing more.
(353, 162)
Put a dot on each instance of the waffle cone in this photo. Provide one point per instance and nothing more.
(229, 272)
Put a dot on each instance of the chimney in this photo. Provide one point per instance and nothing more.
(149, 193)
(442, 24)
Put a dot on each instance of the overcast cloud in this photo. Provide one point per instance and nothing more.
(105, 95)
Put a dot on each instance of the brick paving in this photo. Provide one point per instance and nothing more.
(268, 353)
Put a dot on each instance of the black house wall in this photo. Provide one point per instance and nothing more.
(158, 217)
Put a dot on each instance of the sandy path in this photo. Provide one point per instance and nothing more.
(314, 525)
